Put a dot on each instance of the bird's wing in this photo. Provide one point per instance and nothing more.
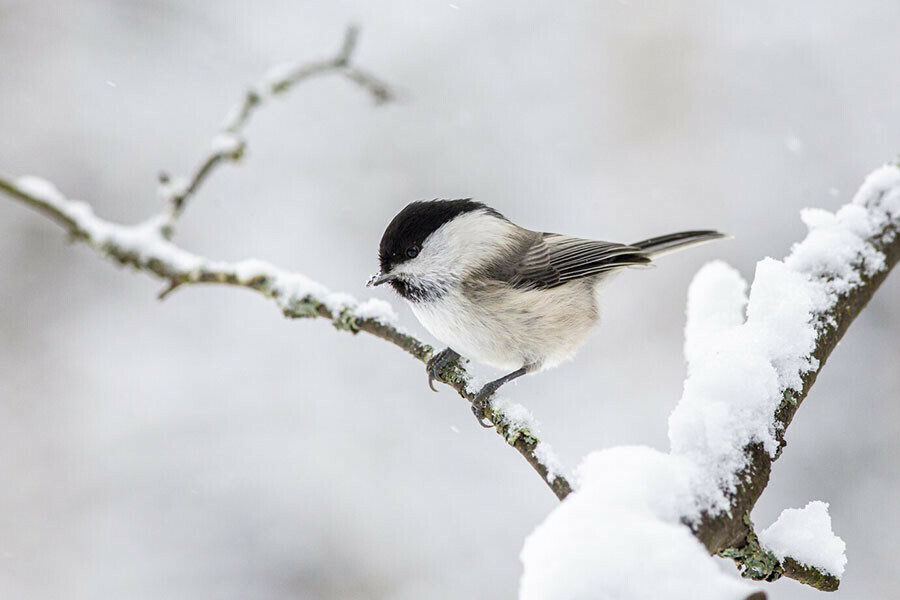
(554, 259)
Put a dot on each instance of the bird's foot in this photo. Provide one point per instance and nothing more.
(481, 403)
(437, 363)
(482, 399)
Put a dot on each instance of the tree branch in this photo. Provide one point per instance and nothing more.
(148, 247)
(752, 359)
(228, 146)
(757, 563)
(731, 533)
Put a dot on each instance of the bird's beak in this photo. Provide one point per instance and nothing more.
(379, 278)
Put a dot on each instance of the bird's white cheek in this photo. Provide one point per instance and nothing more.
(458, 247)
(411, 268)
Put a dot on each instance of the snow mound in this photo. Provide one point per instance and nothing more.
(805, 535)
(622, 534)
(620, 537)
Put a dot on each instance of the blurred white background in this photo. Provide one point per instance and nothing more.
(205, 447)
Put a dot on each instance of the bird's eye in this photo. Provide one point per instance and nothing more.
(412, 251)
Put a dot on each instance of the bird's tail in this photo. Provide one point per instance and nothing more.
(665, 244)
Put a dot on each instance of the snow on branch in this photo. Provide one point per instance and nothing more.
(147, 247)
(144, 247)
(751, 361)
(805, 535)
(832, 274)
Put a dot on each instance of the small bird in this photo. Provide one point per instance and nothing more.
(500, 294)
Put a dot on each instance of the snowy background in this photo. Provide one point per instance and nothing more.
(206, 447)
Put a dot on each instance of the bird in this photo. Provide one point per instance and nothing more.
(509, 297)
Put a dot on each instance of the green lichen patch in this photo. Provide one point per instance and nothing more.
(753, 560)
(345, 321)
(303, 308)
(453, 374)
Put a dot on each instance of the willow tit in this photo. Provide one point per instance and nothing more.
(509, 297)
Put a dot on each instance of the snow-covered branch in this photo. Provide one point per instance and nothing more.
(798, 310)
(752, 360)
(147, 247)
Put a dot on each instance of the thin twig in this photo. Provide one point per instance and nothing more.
(228, 146)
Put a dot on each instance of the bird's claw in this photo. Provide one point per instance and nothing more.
(481, 400)
(480, 404)
(478, 411)
(437, 363)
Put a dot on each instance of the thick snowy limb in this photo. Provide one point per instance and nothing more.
(620, 536)
(752, 359)
(844, 259)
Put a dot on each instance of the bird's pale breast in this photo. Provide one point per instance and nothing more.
(511, 328)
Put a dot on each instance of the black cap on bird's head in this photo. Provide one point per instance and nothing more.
(406, 233)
